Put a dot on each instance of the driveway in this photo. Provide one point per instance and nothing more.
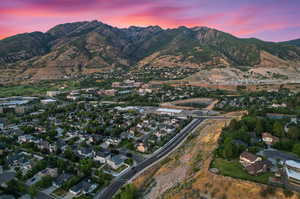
(49, 190)
(273, 155)
(69, 196)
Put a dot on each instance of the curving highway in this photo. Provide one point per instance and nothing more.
(118, 182)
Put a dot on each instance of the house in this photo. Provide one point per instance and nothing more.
(269, 139)
(45, 145)
(258, 167)
(116, 84)
(102, 156)
(247, 158)
(48, 101)
(86, 152)
(48, 172)
(111, 92)
(84, 187)
(113, 141)
(278, 105)
(144, 91)
(61, 180)
(73, 97)
(20, 160)
(95, 138)
(27, 139)
(21, 109)
(141, 147)
(116, 161)
(53, 93)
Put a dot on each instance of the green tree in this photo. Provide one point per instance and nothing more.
(296, 149)
(278, 129)
(230, 150)
(293, 132)
(45, 182)
(33, 191)
(85, 166)
(259, 126)
(234, 125)
(127, 192)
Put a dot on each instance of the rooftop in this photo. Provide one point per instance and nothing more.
(293, 163)
(168, 110)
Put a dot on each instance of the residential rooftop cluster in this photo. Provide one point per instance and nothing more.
(72, 143)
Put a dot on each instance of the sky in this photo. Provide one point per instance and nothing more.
(271, 20)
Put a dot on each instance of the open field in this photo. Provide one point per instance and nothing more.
(189, 104)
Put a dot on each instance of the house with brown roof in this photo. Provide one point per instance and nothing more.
(269, 139)
(257, 167)
(247, 158)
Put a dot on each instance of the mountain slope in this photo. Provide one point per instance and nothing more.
(75, 48)
(24, 46)
(295, 42)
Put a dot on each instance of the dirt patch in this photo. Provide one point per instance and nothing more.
(180, 104)
(180, 165)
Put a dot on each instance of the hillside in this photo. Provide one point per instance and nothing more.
(72, 49)
(295, 42)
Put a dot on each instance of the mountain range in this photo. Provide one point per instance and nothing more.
(85, 47)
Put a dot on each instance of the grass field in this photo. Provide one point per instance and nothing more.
(35, 89)
(234, 169)
(22, 90)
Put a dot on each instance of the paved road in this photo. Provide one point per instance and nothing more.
(124, 178)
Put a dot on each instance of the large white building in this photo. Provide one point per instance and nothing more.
(292, 170)
(168, 111)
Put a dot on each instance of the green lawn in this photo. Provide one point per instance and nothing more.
(36, 89)
(234, 169)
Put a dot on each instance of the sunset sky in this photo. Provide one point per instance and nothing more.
(272, 20)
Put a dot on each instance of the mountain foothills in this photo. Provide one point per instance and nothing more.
(295, 42)
(78, 48)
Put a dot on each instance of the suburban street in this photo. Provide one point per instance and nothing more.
(109, 192)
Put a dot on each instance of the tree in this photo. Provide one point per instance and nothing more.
(69, 154)
(45, 182)
(15, 186)
(278, 129)
(284, 144)
(127, 192)
(296, 149)
(85, 166)
(32, 191)
(233, 125)
(230, 150)
(259, 126)
(293, 132)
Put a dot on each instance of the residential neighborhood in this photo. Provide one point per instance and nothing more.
(69, 144)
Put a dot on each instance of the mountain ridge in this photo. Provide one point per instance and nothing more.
(68, 49)
(295, 42)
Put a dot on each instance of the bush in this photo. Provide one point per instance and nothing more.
(127, 192)
(288, 193)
